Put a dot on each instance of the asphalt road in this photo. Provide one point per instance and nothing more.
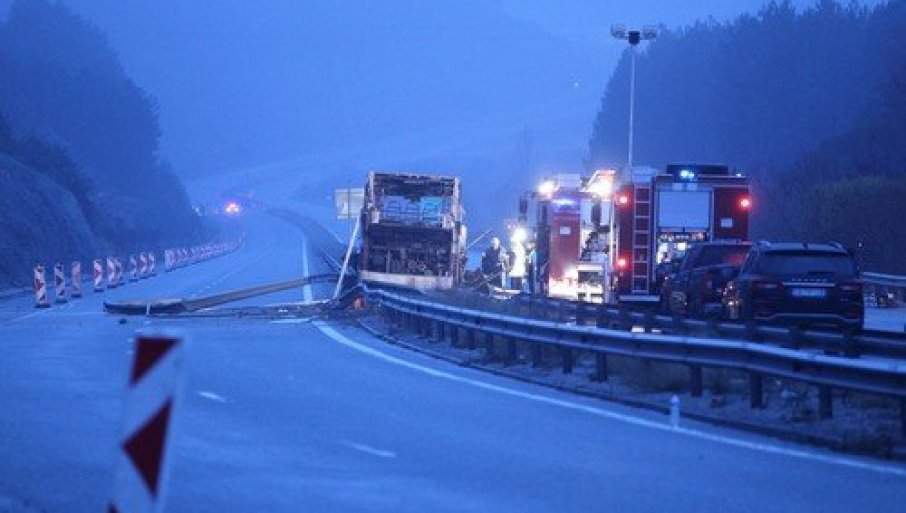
(319, 416)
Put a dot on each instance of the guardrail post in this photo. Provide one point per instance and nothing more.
(537, 354)
(756, 390)
(566, 354)
(695, 375)
(825, 402)
(580, 313)
(470, 338)
(489, 344)
(510, 356)
(425, 327)
(648, 321)
(751, 330)
(439, 331)
(625, 319)
(562, 316)
(601, 367)
(601, 316)
(454, 335)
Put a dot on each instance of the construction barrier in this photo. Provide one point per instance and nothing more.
(111, 273)
(133, 268)
(41, 300)
(59, 280)
(98, 275)
(77, 279)
(151, 397)
(119, 271)
(152, 262)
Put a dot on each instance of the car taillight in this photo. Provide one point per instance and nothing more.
(622, 263)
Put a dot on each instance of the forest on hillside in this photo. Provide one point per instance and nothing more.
(72, 120)
(809, 103)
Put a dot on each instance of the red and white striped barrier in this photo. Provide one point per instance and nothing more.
(152, 394)
(142, 265)
(77, 279)
(111, 273)
(59, 280)
(152, 263)
(98, 275)
(119, 271)
(41, 300)
(133, 268)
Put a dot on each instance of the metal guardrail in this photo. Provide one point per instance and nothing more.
(876, 376)
(868, 342)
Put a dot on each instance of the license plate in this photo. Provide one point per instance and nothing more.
(808, 293)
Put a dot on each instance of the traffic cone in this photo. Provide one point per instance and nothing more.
(59, 280)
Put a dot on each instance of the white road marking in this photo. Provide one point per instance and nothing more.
(380, 453)
(628, 419)
(212, 396)
(306, 289)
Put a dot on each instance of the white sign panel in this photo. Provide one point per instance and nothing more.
(349, 202)
(684, 210)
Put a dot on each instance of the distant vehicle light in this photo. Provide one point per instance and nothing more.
(745, 203)
(623, 199)
(622, 263)
(547, 189)
(232, 208)
(602, 187)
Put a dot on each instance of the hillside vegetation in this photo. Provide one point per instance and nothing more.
(809, 103)
(78, 148)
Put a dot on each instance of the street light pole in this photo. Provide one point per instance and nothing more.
(634, 37)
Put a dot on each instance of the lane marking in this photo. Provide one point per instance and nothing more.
(625, 418)
(306, 289)
(380, 453)
(212, 396)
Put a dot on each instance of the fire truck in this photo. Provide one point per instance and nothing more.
(604, 238)
(658, 214)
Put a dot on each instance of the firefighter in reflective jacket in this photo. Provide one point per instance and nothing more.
(517, 266)
(494, 264)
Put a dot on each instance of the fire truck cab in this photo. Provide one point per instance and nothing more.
(659, 213)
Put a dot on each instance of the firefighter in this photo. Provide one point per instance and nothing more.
(517, 265)
(494, 264)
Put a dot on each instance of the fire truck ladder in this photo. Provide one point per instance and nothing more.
(641, 238)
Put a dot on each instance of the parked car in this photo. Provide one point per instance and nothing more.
(798, 283)
(696, 287)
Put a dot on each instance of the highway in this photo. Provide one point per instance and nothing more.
(316, 415)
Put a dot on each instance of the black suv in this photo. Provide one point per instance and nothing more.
(696, 287)
(797, 283)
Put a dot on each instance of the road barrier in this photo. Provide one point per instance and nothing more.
(59, 280)
(40, 281)
(98, 275)
(877, 376)
(111, 273)
(142, 265)
(133, 268)
(151, 400)
(77, 279)
(152, 263)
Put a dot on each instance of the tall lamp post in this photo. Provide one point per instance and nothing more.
(634, 36)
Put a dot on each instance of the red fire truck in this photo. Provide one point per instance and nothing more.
(602, 238)
(657, 214)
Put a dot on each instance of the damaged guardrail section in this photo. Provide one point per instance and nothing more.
(871, 375)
